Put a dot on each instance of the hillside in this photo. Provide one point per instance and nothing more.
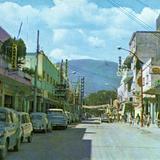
(97, 74)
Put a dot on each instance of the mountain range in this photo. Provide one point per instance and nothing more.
(99, 75)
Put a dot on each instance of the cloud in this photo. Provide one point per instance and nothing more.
(59, 54)
(96, 42)
(74, 28)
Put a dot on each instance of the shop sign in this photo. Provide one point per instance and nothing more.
(155, 70)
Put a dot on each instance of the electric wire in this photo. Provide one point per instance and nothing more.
(133, 17)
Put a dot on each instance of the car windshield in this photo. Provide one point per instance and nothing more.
(36, 117)
(55, 113)
(2, 116)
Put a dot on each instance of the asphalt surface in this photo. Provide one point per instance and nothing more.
(90, 141)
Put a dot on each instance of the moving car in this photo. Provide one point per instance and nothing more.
(26, 126)
(10, 131)
(39, 121)
(57, 118)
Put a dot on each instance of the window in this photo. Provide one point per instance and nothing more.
(23, 119)
(147, 79)
(44, 75)
(51, 80)
(47, 77)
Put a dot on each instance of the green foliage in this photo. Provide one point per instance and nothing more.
(29, 71)
(6, 50)
(100, 97)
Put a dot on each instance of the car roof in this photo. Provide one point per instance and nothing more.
(38, 113)
(55, 109)
(23, 113)
(7, 109)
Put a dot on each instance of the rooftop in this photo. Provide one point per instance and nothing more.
(3, 35)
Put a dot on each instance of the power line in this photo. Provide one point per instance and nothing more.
(132, 17)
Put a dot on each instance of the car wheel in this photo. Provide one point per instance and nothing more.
(22, 139)
(45, 130)
(17, 146)
(30, 138)
(3, 152)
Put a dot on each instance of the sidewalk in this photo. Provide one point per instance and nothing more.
(153, 128)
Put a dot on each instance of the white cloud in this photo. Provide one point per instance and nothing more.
(59, 54)
(96, 42)
(72, 27)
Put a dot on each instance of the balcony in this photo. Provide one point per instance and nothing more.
(128, 75)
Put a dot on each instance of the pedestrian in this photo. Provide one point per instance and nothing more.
(148, 119)
(131, 119)
(125, 117)
(138, 119)
(144, 119)
(158, 119)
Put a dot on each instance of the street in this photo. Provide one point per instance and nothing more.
(91, 142)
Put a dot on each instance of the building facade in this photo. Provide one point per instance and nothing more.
(48, 77)
(146, 46)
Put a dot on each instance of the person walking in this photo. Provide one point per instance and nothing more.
(138, 119)
(131, 119)
(148, 119)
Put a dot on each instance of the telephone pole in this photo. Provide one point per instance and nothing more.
(36, 75)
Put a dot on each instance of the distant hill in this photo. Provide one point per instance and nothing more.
(97, 74)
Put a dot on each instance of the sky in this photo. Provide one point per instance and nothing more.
(78, 29)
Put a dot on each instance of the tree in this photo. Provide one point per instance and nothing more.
(100, 97)
(6, 50)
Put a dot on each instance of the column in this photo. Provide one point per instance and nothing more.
(16, 104)
(2, 95)
(152, 112)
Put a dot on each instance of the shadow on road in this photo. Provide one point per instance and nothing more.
(58, 145)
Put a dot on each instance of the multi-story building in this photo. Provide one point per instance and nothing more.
(158, 23)
(145, 45)
(48, 79)
(15, 86)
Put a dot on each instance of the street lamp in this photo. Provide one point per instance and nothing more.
(141, 72)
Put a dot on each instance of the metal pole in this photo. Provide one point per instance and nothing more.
(142, 120)
(36, 75)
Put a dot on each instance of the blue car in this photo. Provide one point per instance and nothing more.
(57, 118)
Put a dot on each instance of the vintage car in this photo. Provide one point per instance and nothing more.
(10, 131)
(39, 121)
(57, 118)
(26, 126)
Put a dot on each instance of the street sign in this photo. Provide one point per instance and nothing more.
(14, 57)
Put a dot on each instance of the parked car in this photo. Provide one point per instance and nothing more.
(105, 119)
(26, 126)
(57, 118)
(10, 131)
(39, 121)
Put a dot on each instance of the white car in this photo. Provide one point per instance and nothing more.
(39, 121)
(26, 126)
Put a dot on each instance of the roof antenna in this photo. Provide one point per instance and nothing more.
(19, 30)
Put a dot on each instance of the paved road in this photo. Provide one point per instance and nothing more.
(91, 142)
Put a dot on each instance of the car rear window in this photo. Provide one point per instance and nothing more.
(2, 116)
(55, 113)
(38, 117)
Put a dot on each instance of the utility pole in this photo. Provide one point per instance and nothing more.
(36, 75)
(82, 90)
(142, 105)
